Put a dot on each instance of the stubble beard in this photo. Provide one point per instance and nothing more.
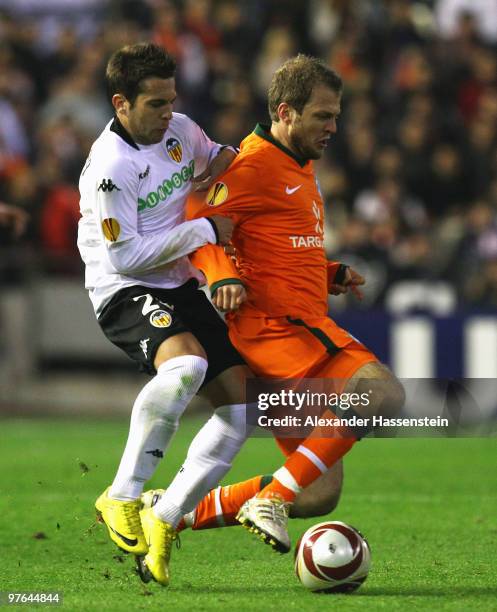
(303, 151)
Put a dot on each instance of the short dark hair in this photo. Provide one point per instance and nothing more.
(128, 66)
(294, 81)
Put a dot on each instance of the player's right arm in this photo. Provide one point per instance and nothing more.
(114, 187)
(225, 285)
(224, 282)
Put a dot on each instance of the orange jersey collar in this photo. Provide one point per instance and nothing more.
(264, 131)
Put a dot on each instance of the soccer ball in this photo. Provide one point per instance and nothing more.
(332, 557)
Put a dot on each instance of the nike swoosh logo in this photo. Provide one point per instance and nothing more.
(291, 190)
(124, 538)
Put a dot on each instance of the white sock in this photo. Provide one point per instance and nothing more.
(154, 421)
(209, 458)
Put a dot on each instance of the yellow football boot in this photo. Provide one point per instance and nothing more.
(159, 537)
(123, 522)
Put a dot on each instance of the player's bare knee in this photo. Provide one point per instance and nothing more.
(322, 496)
(321, 507)
(388, 396)
(385, 393)
(315, 505)
(326, 504)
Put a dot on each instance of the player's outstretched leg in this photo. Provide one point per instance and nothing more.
(122, 519)
(221, 505)
(159, 537)
(218, 508)
(265, 514)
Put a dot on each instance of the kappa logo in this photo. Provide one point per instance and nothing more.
(218, 193)
(144, 346)
(155, 453)
(111, 229)
(143, 175)
(107, 185)
(290, 190)
(174, 149)
(160, 318)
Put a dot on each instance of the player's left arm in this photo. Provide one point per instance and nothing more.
(229, 295)
(225, 286)
(224, 282)
(343, 278)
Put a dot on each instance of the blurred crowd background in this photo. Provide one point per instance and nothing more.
(409, 181)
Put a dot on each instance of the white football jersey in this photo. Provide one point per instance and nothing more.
(133, 229)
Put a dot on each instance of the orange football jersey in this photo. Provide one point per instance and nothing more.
(274, 200)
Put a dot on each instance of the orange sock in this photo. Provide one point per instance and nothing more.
(311, 459)
(220, 506)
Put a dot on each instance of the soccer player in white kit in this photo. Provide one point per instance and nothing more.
(135, 242)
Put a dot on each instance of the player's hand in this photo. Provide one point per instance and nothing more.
(229, 297)
(218, 165)
(225, 228)
(15, 217)
(351, 283)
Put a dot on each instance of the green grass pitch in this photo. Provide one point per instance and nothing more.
(428, 508)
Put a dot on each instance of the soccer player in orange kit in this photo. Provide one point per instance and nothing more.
(282, 328)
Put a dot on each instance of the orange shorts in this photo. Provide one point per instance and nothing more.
(295, 348)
